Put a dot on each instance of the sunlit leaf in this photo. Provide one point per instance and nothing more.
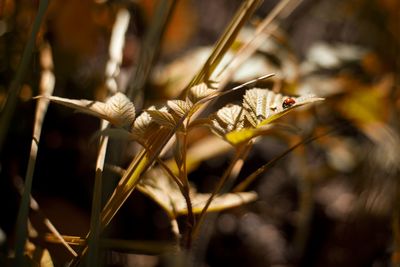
(240, 136)
(180, 107)
(121, 108)
(199, 92)
(118, 109)
(228, 119)
(144, 124)
(238, 124)
(163, 117)
(263, 106)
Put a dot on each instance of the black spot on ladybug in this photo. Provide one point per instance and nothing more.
(288, 102)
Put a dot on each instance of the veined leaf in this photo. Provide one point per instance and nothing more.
(121, 108)
(166, 193)
(260, 107)
(263, 106)
(180, 107)
(118, 109)
(144, 124)
(199, 92)
(228, 119)
(162, 117)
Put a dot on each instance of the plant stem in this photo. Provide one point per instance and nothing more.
(41, 109)
(236, 163)
(186, 187)
(95, 221)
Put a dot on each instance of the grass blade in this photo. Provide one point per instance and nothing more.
(225, 42)
(15, 86)
(149, 47)
(264, 29)
(95, 221)
(46, 87)
(247, 181)
(19, 184)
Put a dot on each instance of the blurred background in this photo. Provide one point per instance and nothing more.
(332, 202)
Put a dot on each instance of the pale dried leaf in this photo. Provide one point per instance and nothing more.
(121, 108)
(118, 110)
(180, 107)
(227, 119)
(263, 106)
(162, 117)
(199, 92)
(142, 123)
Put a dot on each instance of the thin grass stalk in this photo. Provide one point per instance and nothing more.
(306, 207)
(57, 234)
(112, 69)
(251, 178)
(94, 254)
(186, 192)
(395, 257)
(264, 29)
(46, 86)
(34, 205)
(224, 43)
(71, 240)
(137, 246)
(15, 87)
(115, 49)
(149, 48)
(236, 163)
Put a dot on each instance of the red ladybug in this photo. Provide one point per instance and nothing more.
(288, 102)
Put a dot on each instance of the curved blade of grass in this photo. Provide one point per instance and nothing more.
(150, 46)
(247, 181)
(95, 221)
(71, 240)
(47, 87)
(263, 30)
(225, 42)
(230, 174)
(19, 184)
(15, 86)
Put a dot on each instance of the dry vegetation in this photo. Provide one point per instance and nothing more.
(199, 133)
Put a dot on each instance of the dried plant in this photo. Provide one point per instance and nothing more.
(166, 128)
